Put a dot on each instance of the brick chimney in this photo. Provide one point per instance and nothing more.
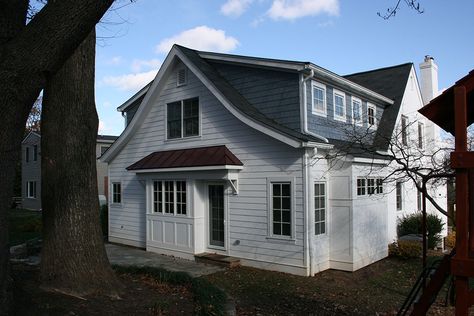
(429, 79)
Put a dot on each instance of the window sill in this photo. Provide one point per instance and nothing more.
(118, 205)
(319, 113)
(281, 238)
(169, 215)
(183, 139)
(340, 118)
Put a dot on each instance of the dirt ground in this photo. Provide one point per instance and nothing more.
(143, 296)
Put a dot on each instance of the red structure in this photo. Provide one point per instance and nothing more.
(453, 111)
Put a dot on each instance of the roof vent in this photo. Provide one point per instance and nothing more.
(182, 77)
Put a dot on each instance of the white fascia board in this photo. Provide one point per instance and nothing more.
(127, 103)
(178, 169)
(321, 72)
(228, 105)
(253, 61)
(317, 145)
(154, 89)
(370, 161)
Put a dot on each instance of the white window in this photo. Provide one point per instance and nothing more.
(169, 197)
(281, 209)
(371, 115)
(319, 208)
(399, 196)
(339, 106)
(31, 189)
(319, 98)
(360, 186)
(356, 111)
(404, 131)
(379, 183)
(183, 118)
(116, 192)
(371, 186)
(181, 77)
(421, 135)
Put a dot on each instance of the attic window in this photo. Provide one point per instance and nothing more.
(181, 77)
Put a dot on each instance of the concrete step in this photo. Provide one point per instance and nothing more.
(216, 259)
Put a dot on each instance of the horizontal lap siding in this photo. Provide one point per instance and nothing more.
(263, 157)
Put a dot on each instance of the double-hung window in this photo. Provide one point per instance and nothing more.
(371, 186)
(27, 154)
(281, 209)
(339, 106)
(371, 115)
(31, 189)
(169, 197)
(319, 98)
(361, 186)
(183, 118)
(116, 192)
(319, 208)
(356, 111)
(404, 131)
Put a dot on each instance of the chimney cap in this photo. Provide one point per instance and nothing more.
(428, 58)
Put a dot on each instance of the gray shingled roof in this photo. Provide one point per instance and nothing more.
(390, 82)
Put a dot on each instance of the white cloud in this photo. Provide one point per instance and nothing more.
(130, 82)
(139, 64)
(114, 61)
(102, 127)
(200, 38)
(293, 9)
(235, 8)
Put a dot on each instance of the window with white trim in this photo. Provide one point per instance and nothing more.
(361, 186)
(169, 197)
(371, 115)
(116, 192)
(318, 98)
(379, 183)
(356, 111)
(319, 208)
(31, 189)
(404, 131)
(281, 209)
(339, 106)
(369, 186)
(398, 189)
(182, 118)
(421, 135)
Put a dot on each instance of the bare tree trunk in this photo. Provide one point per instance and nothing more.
(73, 258)
(27, 55)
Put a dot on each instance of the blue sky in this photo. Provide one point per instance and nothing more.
(344, 36)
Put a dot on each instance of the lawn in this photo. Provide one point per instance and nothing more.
(379, 288)
(24, 225)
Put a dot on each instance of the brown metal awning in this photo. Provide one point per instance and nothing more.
(441, 109)
(215, 157)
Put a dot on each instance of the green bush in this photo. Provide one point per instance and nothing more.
(405, 249)
(104, 220)
(411, 224)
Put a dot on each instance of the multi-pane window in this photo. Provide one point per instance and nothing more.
(27, 154)
(339, 106)
(281, 208)
(35, 153)
(398, 189)
(404, 131)
(356, 111)
(371, 120)
(31, 189)
(420, 135)
(360, 186)
(379, 183)
(116, 192)
(169, 197)
(183, 118)
(319, 208)
(319, 98)
(369, 186)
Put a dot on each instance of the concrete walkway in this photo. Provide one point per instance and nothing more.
(129, 256)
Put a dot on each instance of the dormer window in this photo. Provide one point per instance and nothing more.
(319, 98)
(181, 77)
(339, 106)
(371, 118)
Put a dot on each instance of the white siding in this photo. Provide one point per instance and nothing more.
(263, 157)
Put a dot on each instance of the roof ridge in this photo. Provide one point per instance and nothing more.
(379, 69)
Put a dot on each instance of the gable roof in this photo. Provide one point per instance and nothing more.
(390, 82)
(191, 157)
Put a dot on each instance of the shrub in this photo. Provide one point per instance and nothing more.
(405, 249)
(411, 224)
(451, 240)
(104, 220)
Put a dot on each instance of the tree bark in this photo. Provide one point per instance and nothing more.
(27, 55)
(73, 258)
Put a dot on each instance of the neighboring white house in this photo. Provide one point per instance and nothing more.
(227, 154)
(31, 169)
